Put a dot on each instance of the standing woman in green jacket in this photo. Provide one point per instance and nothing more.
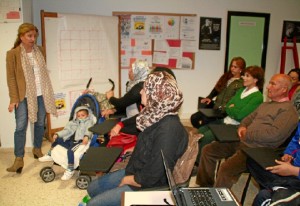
(30, 91)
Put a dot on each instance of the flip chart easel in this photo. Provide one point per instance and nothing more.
(78, 47)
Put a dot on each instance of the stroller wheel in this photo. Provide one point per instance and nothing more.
(43, 169)
(47, 174)
(83, 181)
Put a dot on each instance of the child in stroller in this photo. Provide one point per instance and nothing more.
(76, 132)
(59, 154)
(96, 149)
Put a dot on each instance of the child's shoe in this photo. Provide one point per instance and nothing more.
(67, 175)
(46, 158)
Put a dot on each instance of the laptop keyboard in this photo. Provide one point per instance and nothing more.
(202, 197)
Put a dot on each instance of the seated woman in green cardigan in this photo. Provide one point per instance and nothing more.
(245, 101)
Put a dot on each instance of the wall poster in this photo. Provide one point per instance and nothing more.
(290, 30)
(210, 33)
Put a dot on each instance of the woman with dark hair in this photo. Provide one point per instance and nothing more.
(161, 130)
(295, 76)
(245, 101)
(294, 92)
(30, 91)
(224, 89)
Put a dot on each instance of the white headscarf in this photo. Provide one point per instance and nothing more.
(140, 70)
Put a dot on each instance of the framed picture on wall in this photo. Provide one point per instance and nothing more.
(290, 30)
(210, 33)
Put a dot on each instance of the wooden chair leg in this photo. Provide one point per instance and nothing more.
(245, 189)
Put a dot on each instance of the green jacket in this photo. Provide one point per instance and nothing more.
(225, 95)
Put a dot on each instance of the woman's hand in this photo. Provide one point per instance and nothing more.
(107, 112)
(109, 94)
(115, 130)
(129, 180)
(284, 169)
(287, 158)
(12, 106)
(205, 100)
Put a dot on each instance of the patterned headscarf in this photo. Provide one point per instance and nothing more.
(163, 98)
(46, 85)
(140, 70)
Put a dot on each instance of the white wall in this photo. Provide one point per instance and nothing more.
(209, 65)
(8, 35)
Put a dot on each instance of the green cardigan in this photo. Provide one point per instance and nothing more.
(243, 107)
(227, 93)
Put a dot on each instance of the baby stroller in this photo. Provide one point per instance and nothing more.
(59, 153)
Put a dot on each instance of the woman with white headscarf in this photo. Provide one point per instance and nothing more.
(130, 103)
(161, 131)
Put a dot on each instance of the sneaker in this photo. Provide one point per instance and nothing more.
(46, 158)
(67, 175)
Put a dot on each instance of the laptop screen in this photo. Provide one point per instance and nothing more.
(182, 196)
(171, 181)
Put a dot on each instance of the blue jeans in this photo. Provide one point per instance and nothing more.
(21, 116)
(105, 190)
(68, 144)
(268, 180)
(262, 198)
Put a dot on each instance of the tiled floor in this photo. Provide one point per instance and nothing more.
(28, 188)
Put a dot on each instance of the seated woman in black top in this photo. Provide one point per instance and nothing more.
(161, 129)
(130, 103)
(128, 125)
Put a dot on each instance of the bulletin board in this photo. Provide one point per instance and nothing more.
(78, 47)
(161, 39)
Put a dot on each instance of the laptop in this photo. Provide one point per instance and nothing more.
(264, 156)
(212, 113)
(225, 132)
(99, 159)
(198, 195)
(104, 127)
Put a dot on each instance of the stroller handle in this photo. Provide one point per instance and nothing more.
(113, 84)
